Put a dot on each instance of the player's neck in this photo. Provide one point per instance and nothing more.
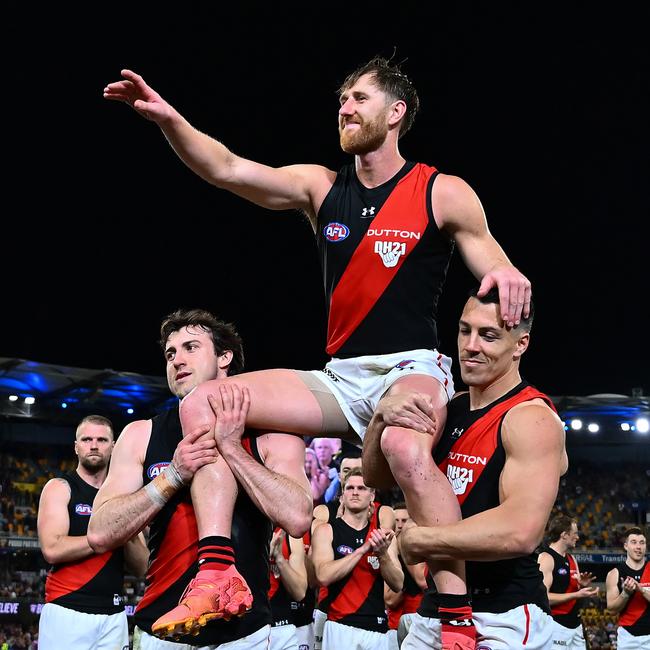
(559, 548)
(377, 167)
(633, 564)
(356, 520)
(92, 478)
(484, 395)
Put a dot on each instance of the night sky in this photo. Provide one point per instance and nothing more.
(542, 111)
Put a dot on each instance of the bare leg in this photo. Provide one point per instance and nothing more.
(280, 401)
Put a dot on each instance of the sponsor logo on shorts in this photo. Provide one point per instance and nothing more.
(405, 364)
(83, 509)
(344, 550)
(155, 469)
(335, 231)
(330, 374)
(303, 646)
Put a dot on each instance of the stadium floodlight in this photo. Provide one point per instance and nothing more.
(643, 425)
(13, 398)
(576, 424)
(129, 411)
(592, 427)
(29, 399)
(625, 426)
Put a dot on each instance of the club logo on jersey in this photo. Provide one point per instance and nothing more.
(155, 469)
(405, 364)
(368, 212)
(390, 252)
(373, 561)
(335, 231)
(460, 478)
(83, 509)
(344, 550)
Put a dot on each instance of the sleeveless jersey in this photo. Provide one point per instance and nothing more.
(95, 584)
(384, 263)
(173, 546)
(358, 598)
(471, 454)
(278, 595)
(565, 580)
(635, 616)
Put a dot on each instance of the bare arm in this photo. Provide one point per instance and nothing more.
(123, 507)
(328, 570)
(54, 524)
(136, 556)
(533, 439)
(293, 572)
(392, 598)
(546, 565)
(458, 211)
(384, 544)
(297, 186)
(279, 488)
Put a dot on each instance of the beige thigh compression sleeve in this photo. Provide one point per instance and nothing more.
(335, 424)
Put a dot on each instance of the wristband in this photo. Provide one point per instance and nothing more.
(164, 486)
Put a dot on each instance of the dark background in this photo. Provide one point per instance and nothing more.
(542, 110)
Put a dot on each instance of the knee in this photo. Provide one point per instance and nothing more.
(405, 444)
(195, 410)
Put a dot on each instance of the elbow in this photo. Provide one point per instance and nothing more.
(298, 523)
(526, 541)
(49, 555)
(97, 541)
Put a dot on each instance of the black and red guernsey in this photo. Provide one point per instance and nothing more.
(173, 546)
(358, 598)
(384, 263)
(635, 617)
(471, 454)
(565, 580)
(95, 584)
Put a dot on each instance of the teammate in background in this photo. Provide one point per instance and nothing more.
(503, 452)
(84, 608)
(148, 484)
(402, 605)
(628, 593)
(564, 582)
(386, 229)
(288, 586)
(352, 557)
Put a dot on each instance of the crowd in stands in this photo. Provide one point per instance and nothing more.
(17, 636)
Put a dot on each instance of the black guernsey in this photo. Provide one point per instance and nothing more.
(384, 263)
(95, 584)
(173, 544)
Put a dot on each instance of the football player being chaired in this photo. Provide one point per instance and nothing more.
(386, 228)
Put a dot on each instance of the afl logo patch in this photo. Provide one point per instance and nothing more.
(336, 231)
(344, 550)
(83, 509)
(155, 469)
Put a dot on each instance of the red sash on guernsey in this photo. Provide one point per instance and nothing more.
(73, 577)
(486, 440)
(637, 605)
(572, 586)
(358, 585)
(362, 283)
